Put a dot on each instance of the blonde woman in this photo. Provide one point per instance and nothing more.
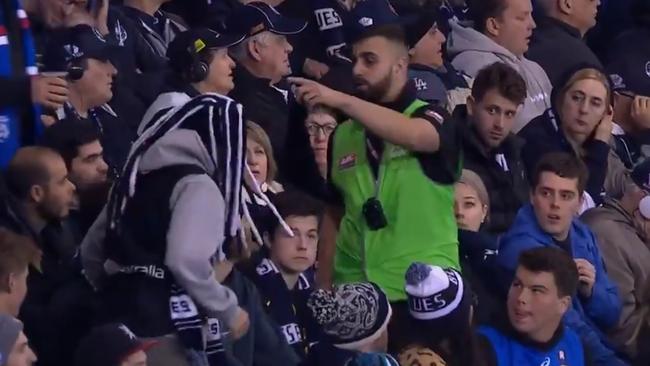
(580, 122)
(260, 183)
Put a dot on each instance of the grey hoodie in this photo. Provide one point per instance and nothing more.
(194, 235)
(473, 51)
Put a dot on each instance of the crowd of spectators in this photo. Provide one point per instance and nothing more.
(324, 182)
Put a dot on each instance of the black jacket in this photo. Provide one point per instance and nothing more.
(544, 135)
(506, 186)
(263, 104)
(557, 47)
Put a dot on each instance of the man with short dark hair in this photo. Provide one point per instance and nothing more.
(284, 272)
(491, 150)
(549, 221)
(558, 44)
(78, 144)
(502, 29)
(372, 236)
(540, 294)
(17, 253)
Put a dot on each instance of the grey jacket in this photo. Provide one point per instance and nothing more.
(473, 51)
(626, 255)
(194, 234)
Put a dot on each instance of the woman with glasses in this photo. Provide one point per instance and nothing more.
(320, 123)
(580, 122)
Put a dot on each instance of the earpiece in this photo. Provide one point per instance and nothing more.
(76, 71)
(198, 71)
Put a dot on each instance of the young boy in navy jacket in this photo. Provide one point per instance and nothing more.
(283, 270)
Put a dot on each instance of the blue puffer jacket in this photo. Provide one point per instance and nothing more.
(587, 316)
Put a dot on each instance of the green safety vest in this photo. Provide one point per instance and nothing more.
(420, 213)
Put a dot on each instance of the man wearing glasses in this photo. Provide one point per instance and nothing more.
(631, 85)
(622, 227)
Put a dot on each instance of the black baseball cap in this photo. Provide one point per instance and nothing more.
(257, 17)
(631, 73)
(185, 47)
(109, 345)
(370, 14)
(76, 43)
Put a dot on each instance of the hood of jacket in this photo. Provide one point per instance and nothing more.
(613, 211)
(463, 39)
(165, 101)
(526, 226)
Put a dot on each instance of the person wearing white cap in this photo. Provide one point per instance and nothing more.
(622, 226)
(14, 346)
(440, 323)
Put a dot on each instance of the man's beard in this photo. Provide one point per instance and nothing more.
(375, 92)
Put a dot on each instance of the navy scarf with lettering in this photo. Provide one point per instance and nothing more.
(288, 308)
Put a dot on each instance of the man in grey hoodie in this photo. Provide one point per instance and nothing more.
(501, 33)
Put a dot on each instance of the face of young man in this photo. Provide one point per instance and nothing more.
(376, 63)
(296, 254)
(21, 354)
(556, 202)
(493, 117)
(88, 168)
(534, 305)
(514, 27)
(54, 198)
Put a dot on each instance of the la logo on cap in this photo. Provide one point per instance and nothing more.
(366, 22)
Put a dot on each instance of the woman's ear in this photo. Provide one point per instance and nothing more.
(486, 211)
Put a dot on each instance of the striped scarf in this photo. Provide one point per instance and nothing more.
(10, 134)
(218, 122)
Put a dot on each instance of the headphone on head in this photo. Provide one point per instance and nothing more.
(644, 207)
(76, 69)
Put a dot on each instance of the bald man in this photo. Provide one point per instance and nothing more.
(562, 27)
(37, 181)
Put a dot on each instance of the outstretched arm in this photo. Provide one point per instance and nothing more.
(414, 134)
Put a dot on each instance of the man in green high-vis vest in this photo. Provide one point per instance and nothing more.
(392, 167)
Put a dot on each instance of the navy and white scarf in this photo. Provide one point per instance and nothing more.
(287, 307)
(218, 122)
(10, 124)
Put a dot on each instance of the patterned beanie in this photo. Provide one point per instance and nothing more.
(352, 315)
(436, 293)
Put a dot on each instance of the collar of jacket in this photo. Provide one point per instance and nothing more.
(509, 146)
(404, 100)
(549, 22)
(245, 79)
(614, 206)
